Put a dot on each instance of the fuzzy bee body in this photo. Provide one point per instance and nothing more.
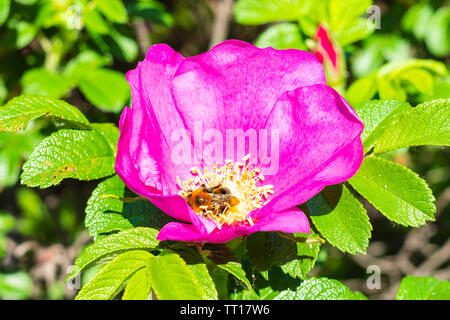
(215, 200)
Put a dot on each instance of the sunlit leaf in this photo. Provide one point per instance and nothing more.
(426, 124)
(138, 287)
(20, 111)
(172, 279)
(4, 10)
(281, 36)
(400, 194)
(263, 11)
(377, 115)
(47, 83)
(341, 219)
(110, 280)
(136, 238)
(114, 10)
(423, 288)
(235, 268)
(106, 89)
(320, 289)
(80, 154)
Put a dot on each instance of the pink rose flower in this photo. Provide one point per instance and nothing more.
(278, 97)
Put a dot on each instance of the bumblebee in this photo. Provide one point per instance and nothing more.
(216, 200)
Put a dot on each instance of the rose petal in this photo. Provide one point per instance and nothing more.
(235, 85)
(319, 144)
(290, 221)
(155, 119)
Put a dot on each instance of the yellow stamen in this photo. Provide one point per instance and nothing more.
(239, 180)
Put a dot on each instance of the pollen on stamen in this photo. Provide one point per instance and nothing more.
(244, 191)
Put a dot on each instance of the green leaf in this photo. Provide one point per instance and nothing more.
(437, 33)
(419, 79)
(377, 116)
(391, 88)
(422, 17)
(35, 219)
(144, 213)
(263, 11)
(136, 238)
(268, 248)
(281, 36)
(106, 89)
(306, 257)
(15, 286)
(343, 12)
(87, 59)
(110, 132)
(426, 124)
(197, 265)
(345, 19)
(26, 2)
(150, 11)
(5, 6)
(79, 154)
(45, 82)
(361, 90)
(365, 62)
(106, 213)
(94, 21)
(415, 16)
(397, 192)
(423, 288)
(7, 222)
(341, 219)
(205, 280)
(138, 287)
(391, 76)
(320, 289)
(262, 294)
(104, 210)
(441, 90)
(20, 111)
(3, 91)
(10, 164)
(4, 245)
(13, 149)
(356, 30)
(172, 279)
(18, 34)
(397, 67)
(122, 45)
(235, 268)
(110, 280)
(114, 10)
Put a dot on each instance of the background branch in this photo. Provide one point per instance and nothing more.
(222, 11)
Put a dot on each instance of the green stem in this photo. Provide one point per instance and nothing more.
(308, 240)
(134, 199)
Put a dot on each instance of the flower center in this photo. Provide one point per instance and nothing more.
(227, 194)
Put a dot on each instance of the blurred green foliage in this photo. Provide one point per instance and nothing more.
(77, 50)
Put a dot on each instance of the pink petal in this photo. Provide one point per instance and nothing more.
(319, 144)
(290, 221)
(341, 167)
(125, 166)
(154, 118)
(235, 85)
